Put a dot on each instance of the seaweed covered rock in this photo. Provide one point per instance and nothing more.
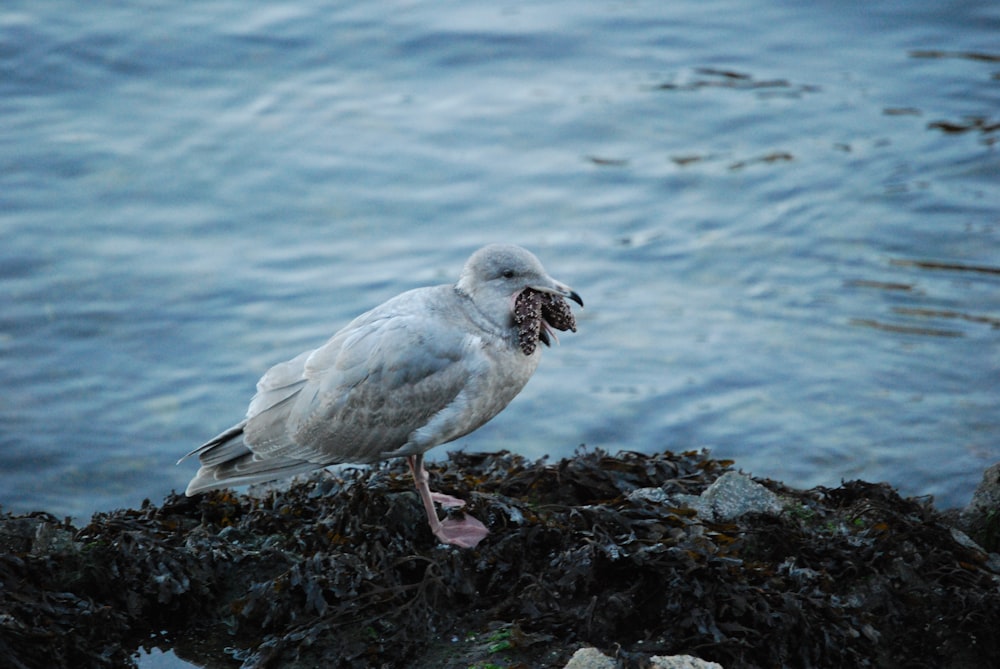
(597, 550)
(981, 518)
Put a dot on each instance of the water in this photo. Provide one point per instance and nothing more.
(750, 198)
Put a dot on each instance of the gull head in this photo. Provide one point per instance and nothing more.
(499, 277)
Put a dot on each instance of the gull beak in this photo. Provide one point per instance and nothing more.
(560, 289)
(547, 335)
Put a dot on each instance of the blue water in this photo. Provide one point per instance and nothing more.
(751, 197)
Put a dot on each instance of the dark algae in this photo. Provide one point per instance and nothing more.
(341, 571)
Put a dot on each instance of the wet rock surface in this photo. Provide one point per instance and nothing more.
(341, 571)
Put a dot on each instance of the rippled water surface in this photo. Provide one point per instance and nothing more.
(784, 219)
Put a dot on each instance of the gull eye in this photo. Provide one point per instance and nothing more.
(507, 274)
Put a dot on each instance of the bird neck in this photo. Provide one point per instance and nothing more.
(483, 310)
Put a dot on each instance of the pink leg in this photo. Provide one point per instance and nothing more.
(446, 501)
(465, 533)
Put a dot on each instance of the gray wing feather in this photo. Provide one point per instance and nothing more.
(362, 394)
(244, 470)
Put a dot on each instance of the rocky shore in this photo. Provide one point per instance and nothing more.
(635, 557)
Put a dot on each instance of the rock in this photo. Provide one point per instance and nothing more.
(51, 538)
(731, 496)
(681, 662)
(981, 518)
(653, 495)
(589, 658)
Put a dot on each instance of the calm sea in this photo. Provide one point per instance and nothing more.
(784, 219)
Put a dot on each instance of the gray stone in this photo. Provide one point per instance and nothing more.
(653, 495)
(589, 658)
(981, 518)
(681, 662)
(731, 496)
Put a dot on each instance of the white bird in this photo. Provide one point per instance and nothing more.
(425, 368)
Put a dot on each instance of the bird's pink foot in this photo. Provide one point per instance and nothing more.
(447, 501)
(464, 533)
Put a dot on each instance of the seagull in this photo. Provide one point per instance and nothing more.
(420, 370)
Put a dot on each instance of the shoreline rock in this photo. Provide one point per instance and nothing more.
(638, 556)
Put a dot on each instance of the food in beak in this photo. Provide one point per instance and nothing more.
(536, 313)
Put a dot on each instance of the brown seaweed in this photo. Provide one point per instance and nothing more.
(339, 571)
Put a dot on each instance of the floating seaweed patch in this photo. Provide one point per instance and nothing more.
(945, 265)
(773, 157)
(969, 124)
(709, 77)
(966, 55)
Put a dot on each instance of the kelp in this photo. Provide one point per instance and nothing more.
(340, 571)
